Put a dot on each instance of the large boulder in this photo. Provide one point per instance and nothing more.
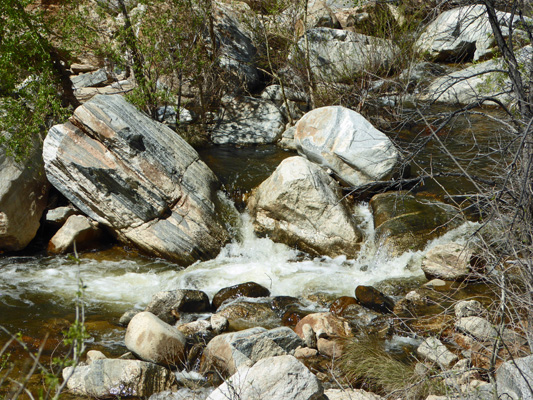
(275, 378)
(404, 221)
(247, 120)
(337, 55)
(154, 340)
(137, 177)
(470, 85)
(23, 196)
(302, 206)
(228, 352)
(345, 142)
(105, 378)
(462, 33)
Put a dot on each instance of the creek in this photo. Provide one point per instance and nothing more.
(37, 293)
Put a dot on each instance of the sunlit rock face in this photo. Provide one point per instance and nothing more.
(343, 141)
(23, 197)
(137, 177)
(301, 205)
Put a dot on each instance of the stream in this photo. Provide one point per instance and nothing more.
(37, 293)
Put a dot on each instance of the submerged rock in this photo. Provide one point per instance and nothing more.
(23, 197)
(342, 140)
(302, 206)
(137, 177)
(373, 299)
(404, 221)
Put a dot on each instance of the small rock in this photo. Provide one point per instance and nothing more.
(78, 229)
(329, 348)
(127, 316)
(219, 323)
(155, 341)
(309, 336)
(324, 325)
(433, 350)
(199, 327)
(167, 305)
(449, 262)
(90, 79)
(468, 308)
(305, 352)
(339, 305)
(350, 394)
(248, 289)
(93, 355)
(58, 216)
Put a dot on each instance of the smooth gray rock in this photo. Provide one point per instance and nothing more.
(137, 177)
(90, 79)
(337, 55)
(154, 340)
(118, 378)
(248, 120)
(23, 196)
(274, 378)
(78, 229)
(433, 350)
(183, 394)
(470, 85)
(449, 262)
(477, 327)
(230, 351)
(302, 206)
(58, 216)
(515, 378)
(463, 32)
(344, 141)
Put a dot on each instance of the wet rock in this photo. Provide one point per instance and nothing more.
(292, 317)
(345, 142)
(230, 351)
(118, 378)
(23, 197)
(58, 216)
(137, 177)
(127, 316)
(89, 79)
(219, 323)
(514, 378)
(404, 221)
(248, 120)
(325, 325)
(339, 305)
(200, 327)
(449, 262)
(243, 313)
(247, 289)
(337, 55)
(166, 305)
(300, 205)
(350, 394)
(468, 308)
(274, 378)
(373, 299)
(281, 304)
(78, 229)
(463, 33)
(433, 350)
(153, 340)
